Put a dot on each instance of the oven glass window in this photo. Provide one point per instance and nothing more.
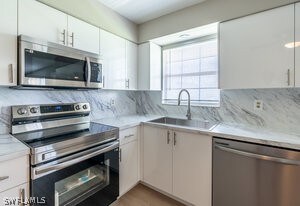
(78, 185)
(49, 66)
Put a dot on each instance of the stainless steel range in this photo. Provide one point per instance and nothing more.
(73, 161)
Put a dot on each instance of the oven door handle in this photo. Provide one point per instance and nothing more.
(88, 71)
(43, 170)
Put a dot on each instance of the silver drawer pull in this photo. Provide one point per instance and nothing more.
(289, 77)
(4, 178)
(127, 136)
(11, 73)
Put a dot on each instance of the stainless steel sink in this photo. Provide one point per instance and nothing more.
(185, 123)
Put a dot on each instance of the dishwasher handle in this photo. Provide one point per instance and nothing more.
(258, 156)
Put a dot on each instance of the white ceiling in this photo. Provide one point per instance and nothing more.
(140, 11)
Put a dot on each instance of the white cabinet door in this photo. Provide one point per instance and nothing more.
(157, 158)
(8, 42)
(16, 194)
(41, 21)
(83, 36)
(253, 52)
(192, 168)
(128, 166)
(131, 65)
(113, 53)
(297, 49)
(149, 66)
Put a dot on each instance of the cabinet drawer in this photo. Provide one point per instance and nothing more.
(16, 194)
(128, 135)
(14, 172)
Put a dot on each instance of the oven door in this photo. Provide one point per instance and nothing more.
(86, 179)
(58, 66)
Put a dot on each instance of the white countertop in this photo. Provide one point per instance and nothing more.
(11, 148)
(257, 135)
(234, 132)
(125, 122)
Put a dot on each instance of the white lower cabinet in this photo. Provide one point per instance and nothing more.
(192, 168)
(14, 181)
(16, 196)
(178, 163)
(129, 159)
(157, 154)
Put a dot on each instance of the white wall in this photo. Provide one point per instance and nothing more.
(210, 11)
(97, 14)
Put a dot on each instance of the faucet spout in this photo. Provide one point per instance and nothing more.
(188, 114)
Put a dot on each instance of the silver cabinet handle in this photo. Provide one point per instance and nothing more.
(289, 77)
(22, 197)
(175, 140)
(72, 39)
(103, 81)
(258, 156)
(168, 137)
(64, 37)
(11, 73)
(4, 178)
(120, 155)
(127, 136)
(127, 83)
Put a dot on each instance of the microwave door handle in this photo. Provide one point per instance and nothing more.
(88, 71)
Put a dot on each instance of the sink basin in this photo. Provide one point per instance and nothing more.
(185, 123)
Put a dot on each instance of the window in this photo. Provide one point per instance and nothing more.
(192, 66)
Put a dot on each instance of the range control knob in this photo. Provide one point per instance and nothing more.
(34, 110)
(77, 107)
(22, 111)
(84, 106)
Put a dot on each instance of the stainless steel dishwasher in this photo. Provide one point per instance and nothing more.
(246, 174)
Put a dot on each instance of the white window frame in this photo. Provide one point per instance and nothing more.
(180, 44)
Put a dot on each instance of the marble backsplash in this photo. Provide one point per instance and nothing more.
(281, 109)
(100, 101)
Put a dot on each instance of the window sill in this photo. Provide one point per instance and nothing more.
(193, 104)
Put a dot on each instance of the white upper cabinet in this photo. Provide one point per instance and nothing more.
(131, 65)
(113, 54)
(297, 49)
(83, 36)
(41, 21)
(192, 168)
(253, 52)
(149, 64)
(8, 42)
(157, 154)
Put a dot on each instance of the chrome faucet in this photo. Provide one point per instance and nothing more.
(188, 114)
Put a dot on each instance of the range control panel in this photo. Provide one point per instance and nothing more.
(24, 111)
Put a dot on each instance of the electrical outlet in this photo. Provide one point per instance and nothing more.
(112, 102)
(258, 105)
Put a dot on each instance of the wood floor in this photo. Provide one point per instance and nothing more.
(144, 196)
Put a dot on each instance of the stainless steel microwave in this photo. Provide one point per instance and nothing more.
(46, 64)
